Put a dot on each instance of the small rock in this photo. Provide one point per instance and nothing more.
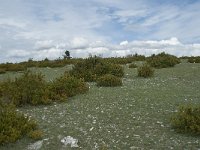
(91, 128)
(70, 140)
(35, 146)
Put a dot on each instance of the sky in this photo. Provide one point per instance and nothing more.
(47, 28)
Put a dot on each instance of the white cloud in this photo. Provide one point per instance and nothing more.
(47, 44)
(12, 23)
(124, 43)
(79, 43)
(47, 28)
(82, 47)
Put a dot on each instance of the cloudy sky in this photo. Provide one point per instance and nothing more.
(46, 28)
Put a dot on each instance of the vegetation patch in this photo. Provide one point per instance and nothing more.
(2, 70)
(194, 59)
(67, 86)
(187, 119)
(29, 88)
(145, 71)
(132, 65)
(13, 67)
(162, 60)
(109, 80)
(93, 67)
(14, 125)
(36, 134)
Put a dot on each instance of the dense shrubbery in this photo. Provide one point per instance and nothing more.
(116, 70)
(93, 67)
(109, 80)
(163, 60)
(66, 86)
(62, 62)
(145, 71)
(187, 119)
(12, 67)
(14, 125)
(194, 59)
(132, 65)
(125, 60)
(2, 70)
(27, 89)
(31, 63)
(32, 89)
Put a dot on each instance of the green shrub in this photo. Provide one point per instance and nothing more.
(162, 60)
(116, 70)
(67, 86)
(13, 125)
(132, 65)
(36, 134)
(187, 119)
(109, 80)
(29, 88)
(194, 59)
(124, 60)
(85, 69)
(12, 67)
(2, 70)
(145, 71)
(93, 67)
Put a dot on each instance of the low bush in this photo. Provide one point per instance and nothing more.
(36, 134)
(93, 67)
(187, 119)
(12, 67)
(32, 89)
(132, 65)
(116, 70)
(67, 86)
(145, 71)
(194, 59)
(29, 88)
(162, 60)
(109, 80)
(14, 125)
(125, 60)
(2, 70)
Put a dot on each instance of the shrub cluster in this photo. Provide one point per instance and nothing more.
(125, 60)
(32, 89)
(29, 88)
(162, 60)
(109, 80)
(145, 71)
(187, 119)
(2, 70)
(132, 65)
(194, 59)
(12, 67)
(14, 125)
(67, 86)
(93, 67)
(31, 63)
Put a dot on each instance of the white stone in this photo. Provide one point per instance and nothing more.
(35, 146)
(70, 140)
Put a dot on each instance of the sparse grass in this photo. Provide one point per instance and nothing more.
(133, 116)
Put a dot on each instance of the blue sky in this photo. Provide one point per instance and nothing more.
(46, 28)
